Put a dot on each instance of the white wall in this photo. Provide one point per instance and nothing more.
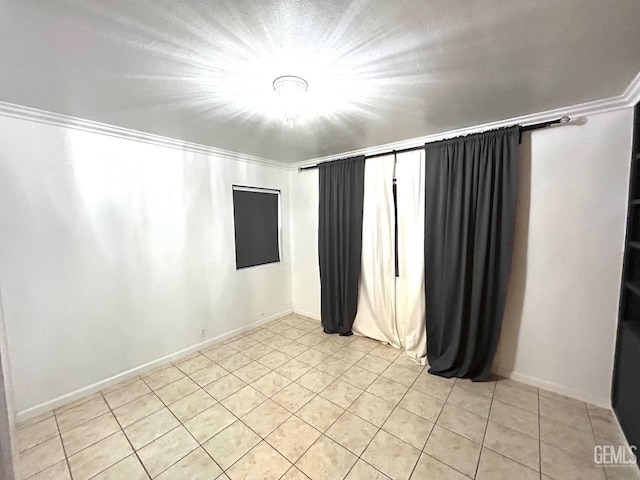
(8, 448)
(562, 309)
(560, 323)
(115, 253)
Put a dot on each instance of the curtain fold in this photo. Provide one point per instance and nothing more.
(341, 193)
(469, 223)
(376, 316)
(410, 295)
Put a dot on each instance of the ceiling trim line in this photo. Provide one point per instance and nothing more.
(22, 112)
(628, 99)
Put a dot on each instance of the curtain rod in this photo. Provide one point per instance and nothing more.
(526, 128)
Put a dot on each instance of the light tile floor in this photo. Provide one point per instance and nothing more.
(285, 401)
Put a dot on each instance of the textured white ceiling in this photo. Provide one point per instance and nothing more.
(378, 71)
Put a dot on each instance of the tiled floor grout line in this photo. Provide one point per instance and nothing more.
(64, 450)
(186, 429)
(135, 452)
(486, 427)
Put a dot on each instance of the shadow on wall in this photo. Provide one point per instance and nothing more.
(506, 355)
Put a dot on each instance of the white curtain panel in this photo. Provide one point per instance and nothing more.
(410, 296)
(376, 317)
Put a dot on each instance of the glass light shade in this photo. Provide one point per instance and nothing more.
(291, 90)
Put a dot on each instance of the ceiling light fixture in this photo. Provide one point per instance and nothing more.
(291, 90)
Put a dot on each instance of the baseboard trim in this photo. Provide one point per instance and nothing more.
(49, 405)
(553, 387)
(303, 313)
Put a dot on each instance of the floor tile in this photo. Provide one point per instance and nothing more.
(513, 444)
(348, 355)
(274, 359)
(243, 343)
(580, 442)
(559, 464)
(100, 456)
(126, 394)
(326, 460)
(606, 429)
(517, 397)
(293, 397)
(277, 341)
(225, 386)
(508, 382)
(386, 352)
(464, 423)
(363, 471)
(176, 390)
(293, 369)
(312, 357)
(320, 413)
(41, 456)
(228, 446)
(34, 420)
(515, 418)
(453, 450)
(359, 377)
(208, 374)
(341, 393)
(333, 366)
(138, 409)
(57, 471)
(371, 408)
(191, 405)
(293, 349)
(195, 466)
(258, 351)
(294, 474)
(81, 414)
(35, 434)
(433, 385)
(163, 377)
(408, 427)
(235, 362)
(271, 384)
(315, 380)
(373, 364)
(470, 401)
(391, 456)
(149, 428)
(364, 344)
(130, 469)
(388, 390)
(89, 433)
(210, 422)
(293, 438)
(219, 352)
(263, 463)
(167, 450)
(432, 469)
(266, 417)
(328, 347)
(352, 432)
(400, 374)
(575, 417)
(251, 372)
(243, 401)
(423, 405)
(486, 388)
(93, 396)
(494, 466)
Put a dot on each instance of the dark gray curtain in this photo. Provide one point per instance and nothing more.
(340, 242)
(469, 224)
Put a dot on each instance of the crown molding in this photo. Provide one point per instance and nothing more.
(628, 99)
(42, 116)
(632, 93)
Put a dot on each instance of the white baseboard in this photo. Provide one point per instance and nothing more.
(302, 313)
(554, 387)
(49, 405)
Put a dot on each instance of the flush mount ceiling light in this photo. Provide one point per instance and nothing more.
(291, 90)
